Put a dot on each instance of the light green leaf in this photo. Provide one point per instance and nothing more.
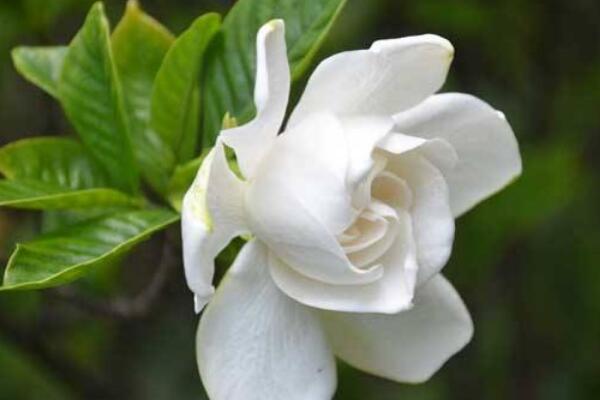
(40, 65)
(57, 161)
(139, 45)
(36, 195)
(229, 78)
(176, 97)
(63, 256)
(91, 95)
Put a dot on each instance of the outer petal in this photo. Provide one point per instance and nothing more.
(484, 141)
(299, 201)
(271, 92)
(255, 343)
(212, 214)
(393, 75)
(390, 294)
(433, 221)
(409, 346)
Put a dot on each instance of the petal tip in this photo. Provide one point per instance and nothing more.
(272, 26)
(200, 301)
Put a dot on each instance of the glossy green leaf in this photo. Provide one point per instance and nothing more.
(40, 65)
(139, 45)
(32, 194)
(229, 78)
(175, 99)
(55, 173)
(63, 256)
(91, 95)
(56, 161)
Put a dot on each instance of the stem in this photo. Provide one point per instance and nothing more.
(137, 307)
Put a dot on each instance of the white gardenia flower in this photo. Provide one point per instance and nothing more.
(351, 211)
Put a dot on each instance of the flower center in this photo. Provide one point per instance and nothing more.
(376, 227)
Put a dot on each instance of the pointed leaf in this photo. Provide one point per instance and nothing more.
(40, 65)
(57, 161)
(36, 195)
(55, 173)
(175, 99)
(139, 44)
(91, 95)
(63, 256)
(229, 77)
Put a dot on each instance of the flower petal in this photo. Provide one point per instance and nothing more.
(391, 293)
(362, 135)
(253, 140)
(433, 221)
(367, 252)
(392, 76)
(212, 214)
(487, 150)
(409, 346)
(255, 343)
(299, 201)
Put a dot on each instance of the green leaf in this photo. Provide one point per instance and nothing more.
(57, 161)
(36, 195)
(55, 173)
(40, 65)
(229, 78)
(91, 95)
(181, 180)
(63, 256)
(139, 45)
(176, 97)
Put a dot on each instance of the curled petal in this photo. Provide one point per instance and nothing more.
(368, 250)
(212, 214)
(362, 135)
(255, 343)
(432, 217)
(253, 140)
(392, 190)
(390, 294)
(438, 151)
(299, 201)
(409, 346)
(392, 76)
(488, 153)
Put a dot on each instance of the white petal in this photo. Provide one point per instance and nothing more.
(361, 197)
(487, 150)
(368, 229)
(433, 221)
(212, 214)
(298, 201)
(390, 294)
(372, 249)
(392, 190)
(362, 135)
(438, 151)
(409, 346)
(392, 76)
(271, 92)
(255, 343)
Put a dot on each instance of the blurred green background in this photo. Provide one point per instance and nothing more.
(527, 262)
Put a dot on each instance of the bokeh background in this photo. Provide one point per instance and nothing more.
(527, 261)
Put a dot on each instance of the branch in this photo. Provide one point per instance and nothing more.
(139, 306)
